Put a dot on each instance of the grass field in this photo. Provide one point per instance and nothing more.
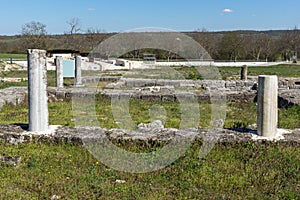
(279, 70)
(240, 171)
(238, 115)
(193, 73)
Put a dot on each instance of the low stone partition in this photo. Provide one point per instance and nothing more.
(288, 98)
(12, 95)
(94, 79)
(163, 90)
(13, 134)
(283, 83)
(289, 83)
(198, 84)
(155, 93)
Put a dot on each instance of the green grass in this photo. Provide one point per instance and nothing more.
(279, 70)
(238, 115)
(139, 113)
(15, 74)
(290, 118)
(191, 73)
(14, 56)
(240, 171)
(244, 114)
(4, 85)
(172, 73)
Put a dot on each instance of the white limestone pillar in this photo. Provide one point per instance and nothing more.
(78, 71)
(37, 90)
(267, 99)
(59, 73)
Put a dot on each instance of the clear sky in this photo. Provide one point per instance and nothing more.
(123, 15)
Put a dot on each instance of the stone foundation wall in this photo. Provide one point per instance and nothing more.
(14, 135)
(165, 90)
(290, 83)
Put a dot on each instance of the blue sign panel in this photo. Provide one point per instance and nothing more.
(68, 68)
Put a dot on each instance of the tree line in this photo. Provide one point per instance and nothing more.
(229, 45)
(251, 45)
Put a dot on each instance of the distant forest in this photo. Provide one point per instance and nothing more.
(271, 45)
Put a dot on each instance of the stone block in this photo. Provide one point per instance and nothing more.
(150, 97)
(170, 97)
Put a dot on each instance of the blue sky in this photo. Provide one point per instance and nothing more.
(123, 15)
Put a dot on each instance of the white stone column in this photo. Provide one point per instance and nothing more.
(37, 90)
(267, 112)
(78, 71)
(59, 73)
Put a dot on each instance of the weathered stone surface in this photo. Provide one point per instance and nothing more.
(244, 72)
(60, 94)
(59, 72)
(53, 98)
(55, 197)
(14, 134)
(13, 96)
(288, 98)
(10, 160)
(116, 85)
(167, 97)
(150, 97)
(2, 103)
(230, 84)
(285, 83)
(37, 90)
(267, 115)
(78, 68)
(156, 125)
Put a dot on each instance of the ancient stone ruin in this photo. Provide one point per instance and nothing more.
(263, 90)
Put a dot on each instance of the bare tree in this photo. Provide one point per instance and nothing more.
(257, 46)
(289, 44)
(252, 47)
(268, 48)
(74, 24)
(34, 35)
(93, 37)
(72, 35)
(208, 40)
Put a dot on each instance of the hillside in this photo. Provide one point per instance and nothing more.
(223, 45)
